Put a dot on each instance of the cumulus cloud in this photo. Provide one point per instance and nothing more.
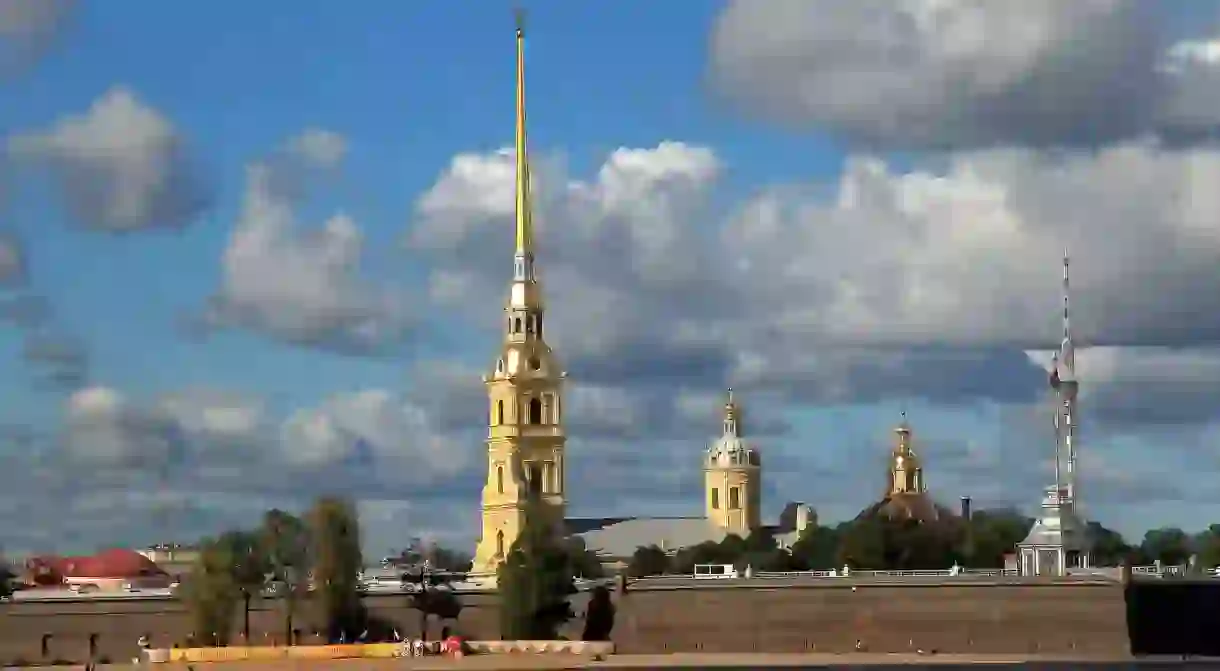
(193, 462)
(319, 146)
(122, 166)
(1117, 384)
(968, 255)
(58, 361)
(622, 246)
(28, 28)
(374, 429)
(929, 282)
(939, 73)
(12, 261)
(301, 286)
(923, 282)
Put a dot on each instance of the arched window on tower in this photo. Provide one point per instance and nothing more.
(734, 498)
(499, 479)
(548, 409)
(529, 323)
(535, 416)
(538, 324)
(517, 325)
(499, 412)
(500, 543)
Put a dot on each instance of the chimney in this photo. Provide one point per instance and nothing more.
(966, 508)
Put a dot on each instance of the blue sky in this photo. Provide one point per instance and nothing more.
(733, 194)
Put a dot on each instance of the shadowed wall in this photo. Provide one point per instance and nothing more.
(1014, 617)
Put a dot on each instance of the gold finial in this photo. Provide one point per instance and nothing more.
(525, 232)
(732, 417)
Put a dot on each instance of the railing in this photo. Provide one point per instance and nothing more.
(1143, 571)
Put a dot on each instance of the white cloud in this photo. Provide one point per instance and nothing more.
(622, 246)
(105, 429)
(969, 255)
(108, 430)
(917, 282)
(302, 286)
(318, 146)
(122, 165)
(28, 28)
(21, 18)
(963, 73)
(12, 261)
(377, 431)
(1134, 388)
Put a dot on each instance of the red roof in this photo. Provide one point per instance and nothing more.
(116, 563)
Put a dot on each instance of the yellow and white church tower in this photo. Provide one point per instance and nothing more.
(732, 477)
(525, 436)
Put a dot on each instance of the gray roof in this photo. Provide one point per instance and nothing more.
(1057, 525)
(620, 538)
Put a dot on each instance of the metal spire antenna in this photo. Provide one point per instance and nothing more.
(1067, 355)
(1065, 384)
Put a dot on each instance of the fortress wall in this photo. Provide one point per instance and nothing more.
(1015, 617)
(1005, 618)
(119, 624)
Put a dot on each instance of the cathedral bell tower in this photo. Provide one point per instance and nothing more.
(525, 436)
(732, 474)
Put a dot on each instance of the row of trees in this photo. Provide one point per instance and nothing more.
(286, 556)
(881, 543)
(312, 564)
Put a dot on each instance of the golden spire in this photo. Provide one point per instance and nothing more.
(525, 233)
(732, 416)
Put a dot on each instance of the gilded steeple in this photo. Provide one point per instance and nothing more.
(524, 265)
(525, 435)
(732, 416)
(906, 471)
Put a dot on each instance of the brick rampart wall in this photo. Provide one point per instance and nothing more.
(1012, 618)
(830, 617)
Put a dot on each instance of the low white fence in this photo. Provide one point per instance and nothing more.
(1158, 571)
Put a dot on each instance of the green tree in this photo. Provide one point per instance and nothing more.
(334, 532)
(211, 594)
(430, 595)
(761, 552)
(992, 534)
(1207, 545)
(438, 557)
(648, 560)
(535, 583)
(285, 541)
(1169, 545)
(862, 545)
(249, 569)
(1109, 547)
(585, 562)
(881, 543)
(815, 549)
(707, 552)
